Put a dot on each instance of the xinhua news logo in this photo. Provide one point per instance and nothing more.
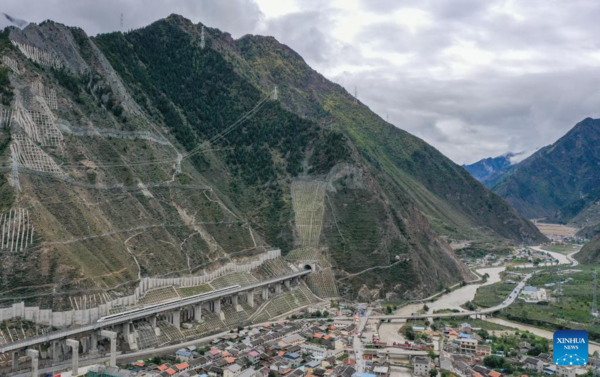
(570, 347)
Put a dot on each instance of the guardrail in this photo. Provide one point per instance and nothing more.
(141, 314)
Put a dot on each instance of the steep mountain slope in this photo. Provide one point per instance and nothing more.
(590, 252)
(491, 170)
(155, 153)
(557, 176)
(406, 167)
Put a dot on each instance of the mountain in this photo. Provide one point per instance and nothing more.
(562, 177)
(492, 169)
(166, 151)
(590, 252)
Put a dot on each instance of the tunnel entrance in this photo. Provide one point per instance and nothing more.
(308, 267)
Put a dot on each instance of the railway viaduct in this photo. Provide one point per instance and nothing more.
(175, 312)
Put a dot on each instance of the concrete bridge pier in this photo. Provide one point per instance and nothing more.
(113, 345)
(74, 344)
(198, 312)
(217, 306)
(287, 284)
(278, 288)
(93, 343)
(153, 321)
(265, 293)
(35, 357)
(15, 361)
(250, 298)
(234, 302)
(55, 350)
(126, 329)
(177, 318)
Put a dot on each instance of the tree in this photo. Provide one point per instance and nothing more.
(410, 334)
(425, 308)
(493, 361)
(431, 354)
(483, 333)
(388, 309)
(433, 372)
(325, 313)
(508, 368)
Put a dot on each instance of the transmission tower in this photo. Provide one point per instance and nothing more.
(355, 95)
(275, 94)
(121, 21)
(559, 289)
(595, 303)
(202, 40)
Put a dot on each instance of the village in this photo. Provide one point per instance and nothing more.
(313, 343)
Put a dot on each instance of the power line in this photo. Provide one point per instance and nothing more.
(594, 311)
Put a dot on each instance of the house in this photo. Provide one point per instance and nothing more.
(564, 371)
(198, 363)
(481, 370)
(344, 371)
(328, 362)
(253, 356)
(316, 351)
(484, 350)
(310, 367)
(182, 367)
(467, 345)
(381, 371)
(493, 373)
(183, 355)
(232, 370)
(250, 372)
(466, 328)
(292, 340)
(422, 366)
(462, 367)
(550, 369)
(294, 358)
(214, 371)
(524, 347)
(533, 364)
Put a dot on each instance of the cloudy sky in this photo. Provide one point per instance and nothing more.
(473, 78)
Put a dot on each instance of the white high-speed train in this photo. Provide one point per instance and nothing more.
(162, 304)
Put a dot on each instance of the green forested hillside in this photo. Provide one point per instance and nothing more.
(174, 159)
(556, 176)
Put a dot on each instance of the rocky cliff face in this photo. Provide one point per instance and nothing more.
(152, 153)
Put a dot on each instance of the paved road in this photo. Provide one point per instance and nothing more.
(357, 342)
(509, 300)
(400, 352)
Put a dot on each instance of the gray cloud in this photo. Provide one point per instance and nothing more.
(235, 16)
(473, 78)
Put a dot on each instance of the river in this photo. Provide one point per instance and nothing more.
(458, 297)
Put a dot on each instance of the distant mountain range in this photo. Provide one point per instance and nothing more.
(492, 169)
(560, 182)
